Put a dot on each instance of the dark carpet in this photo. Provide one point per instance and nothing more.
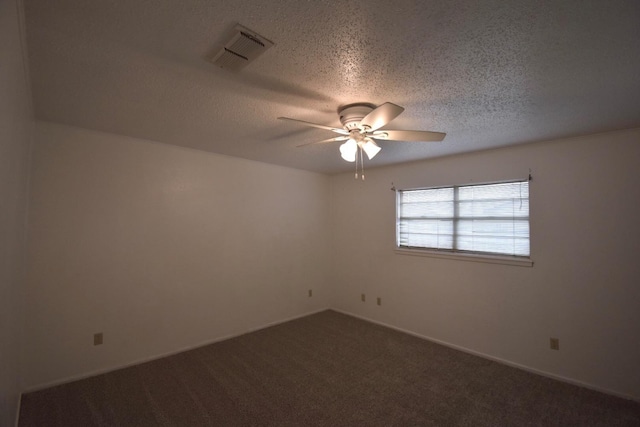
(327, 369)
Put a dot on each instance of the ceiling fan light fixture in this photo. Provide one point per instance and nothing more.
(348, 150)
(360, 129)
(370, 148)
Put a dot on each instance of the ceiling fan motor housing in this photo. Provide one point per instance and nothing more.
(361, 127)
(352, 115)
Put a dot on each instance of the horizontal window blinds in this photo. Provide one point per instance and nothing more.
(489, 218)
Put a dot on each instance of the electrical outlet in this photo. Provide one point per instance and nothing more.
(310, 293)
(97, 338)
(363, 298)
(554, 344)
(379, 301)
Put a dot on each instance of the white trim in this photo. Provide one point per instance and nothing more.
(406, 331)
(160, 356)
(497, 359)
(491, 259)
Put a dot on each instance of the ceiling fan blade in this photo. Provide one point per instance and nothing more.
(381, 116)
(408, 135)
(315, 125)
(337, 138)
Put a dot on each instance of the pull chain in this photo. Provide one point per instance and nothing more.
(359, 151)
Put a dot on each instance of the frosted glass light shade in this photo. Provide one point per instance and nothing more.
(371, 148)
(348, 150)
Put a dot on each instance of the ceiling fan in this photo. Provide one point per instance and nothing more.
(361, 128)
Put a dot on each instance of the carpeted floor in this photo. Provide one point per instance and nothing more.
(327, 369)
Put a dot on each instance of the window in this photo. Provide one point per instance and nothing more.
(478, 219)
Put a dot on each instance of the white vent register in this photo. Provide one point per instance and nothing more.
(243, 48)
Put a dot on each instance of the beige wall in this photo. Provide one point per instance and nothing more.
(584, 287)
(133, 239)
(161, 248)
(15, 135)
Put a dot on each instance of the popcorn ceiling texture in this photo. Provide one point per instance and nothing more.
(488, 73)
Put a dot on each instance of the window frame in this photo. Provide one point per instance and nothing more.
(457, 254)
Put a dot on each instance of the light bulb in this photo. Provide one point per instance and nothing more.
(348, 150)
(371, 148)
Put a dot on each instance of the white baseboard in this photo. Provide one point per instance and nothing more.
(497, 359)
(160, 356)
(444, 343)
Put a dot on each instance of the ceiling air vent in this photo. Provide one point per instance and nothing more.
(241, 50)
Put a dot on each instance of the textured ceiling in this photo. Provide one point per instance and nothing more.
(488, 73)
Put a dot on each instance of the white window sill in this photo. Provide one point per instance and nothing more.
(491, 259)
